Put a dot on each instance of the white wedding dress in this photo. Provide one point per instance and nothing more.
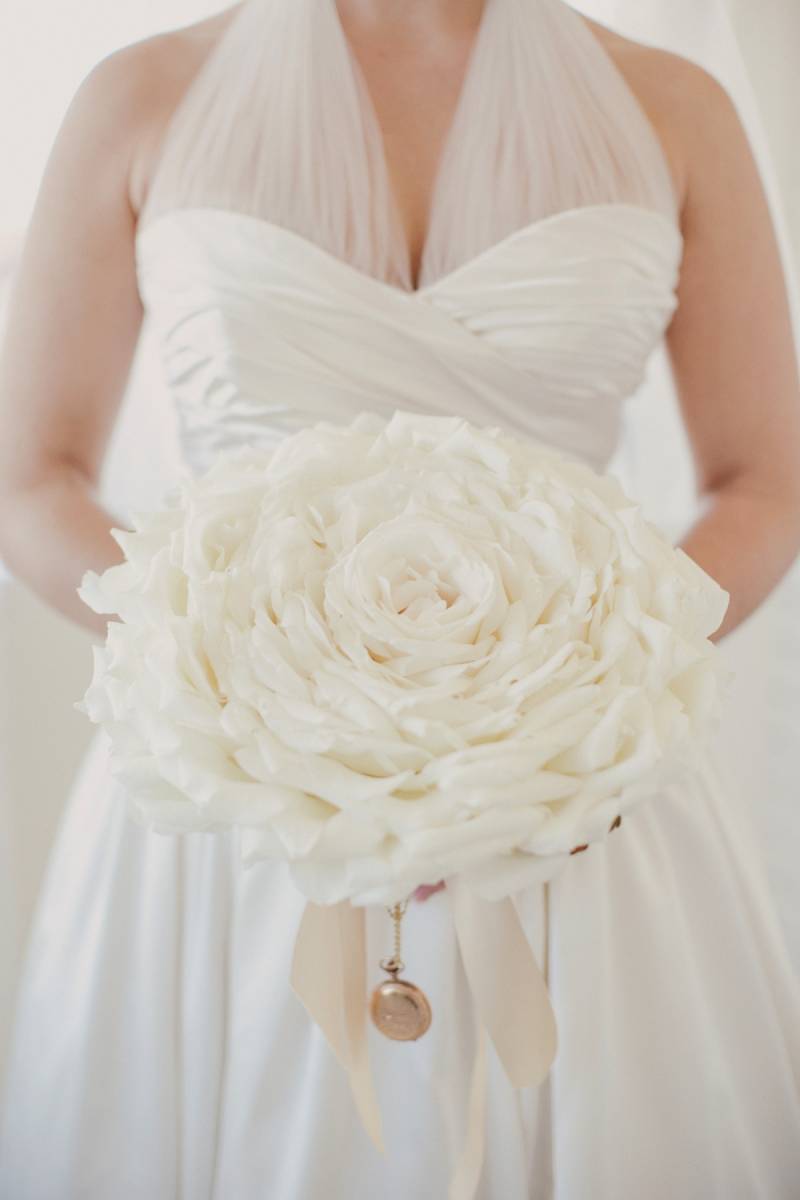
(159, 1051)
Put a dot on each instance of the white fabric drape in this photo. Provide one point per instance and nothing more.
(543, 122)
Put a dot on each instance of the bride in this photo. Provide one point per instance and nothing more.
(487, 208)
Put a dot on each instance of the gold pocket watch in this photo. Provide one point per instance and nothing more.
(399, 1009)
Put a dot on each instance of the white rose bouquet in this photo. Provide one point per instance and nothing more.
(397, 651)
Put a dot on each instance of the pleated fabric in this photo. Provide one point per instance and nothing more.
(279, 124)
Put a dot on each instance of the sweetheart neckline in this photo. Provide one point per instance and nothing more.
(405, 294)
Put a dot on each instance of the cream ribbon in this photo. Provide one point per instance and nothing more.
(511, 1001)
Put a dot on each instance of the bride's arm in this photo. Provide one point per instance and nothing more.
(733, 355)
(72, 328)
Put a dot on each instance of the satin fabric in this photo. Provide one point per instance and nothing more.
(547, 332)
(162, 1053)
(159, 1044)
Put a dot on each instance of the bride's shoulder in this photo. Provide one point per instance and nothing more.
(156, 67)
(688, 106)
(139, 85)
(661, 74)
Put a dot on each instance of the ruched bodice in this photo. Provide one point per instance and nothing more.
(547, 332)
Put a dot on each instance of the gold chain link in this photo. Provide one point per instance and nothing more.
(395, 963)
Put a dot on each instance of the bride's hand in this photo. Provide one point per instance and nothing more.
(427, 889)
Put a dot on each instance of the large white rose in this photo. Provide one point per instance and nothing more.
(393, 651)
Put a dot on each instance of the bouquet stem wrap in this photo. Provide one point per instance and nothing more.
(508, 989)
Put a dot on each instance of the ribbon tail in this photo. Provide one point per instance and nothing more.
(512, 1003)
(507, 984)
(329, 977)
(465, 1180)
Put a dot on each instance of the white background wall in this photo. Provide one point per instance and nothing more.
(46, 48)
